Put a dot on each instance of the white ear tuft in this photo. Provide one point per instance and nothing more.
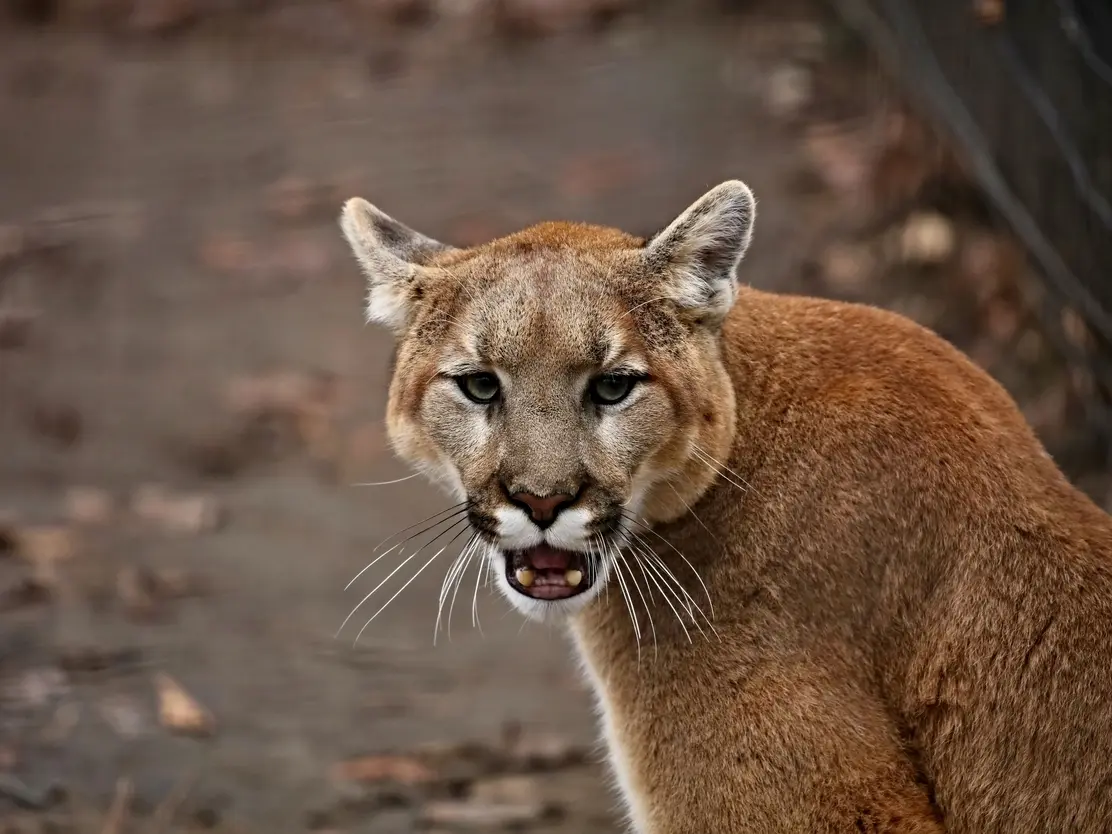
(392, 256)
(699, 253)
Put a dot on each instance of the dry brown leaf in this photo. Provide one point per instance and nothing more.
(178, 711)
(406, 770)
(44, 547)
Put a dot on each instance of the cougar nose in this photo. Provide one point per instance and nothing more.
(543, 510)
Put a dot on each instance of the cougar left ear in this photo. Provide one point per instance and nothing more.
(393, 257)
(697, 256)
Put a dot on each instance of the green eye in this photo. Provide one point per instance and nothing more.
(611, 389)
(479, 388)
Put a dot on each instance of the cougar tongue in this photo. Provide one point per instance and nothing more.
(546, 557)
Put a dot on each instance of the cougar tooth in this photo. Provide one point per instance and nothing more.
(524, 577)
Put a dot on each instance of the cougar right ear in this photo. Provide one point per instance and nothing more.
(392, 256)
(697, 256)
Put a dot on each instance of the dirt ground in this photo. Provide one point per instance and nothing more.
(189, 398)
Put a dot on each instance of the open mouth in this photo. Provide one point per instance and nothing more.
(544, 572)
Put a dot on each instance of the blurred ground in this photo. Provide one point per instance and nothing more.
(188, 395)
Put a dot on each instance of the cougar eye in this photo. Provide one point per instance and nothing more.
(479, 388)
(611, 389)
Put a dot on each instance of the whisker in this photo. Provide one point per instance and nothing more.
(654, 577)
(690, 510)
(687, 601)
(619, 556)
(629, 608)
(454, 510)
(445, 586)
(710, 458)
(459, 581)
(394, 571)
(407, 584)
(645, 526)
(387, 483)
(710, 464)
(402, 543)
(636, 307)
(475, 598)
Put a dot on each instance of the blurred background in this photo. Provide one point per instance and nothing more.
(189, 399)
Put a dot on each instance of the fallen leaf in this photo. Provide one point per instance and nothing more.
(406, 770)
(44, 547)
(178, 711)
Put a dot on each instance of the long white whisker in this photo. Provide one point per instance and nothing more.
(402, 543)
(387, 483)
(475, 598)
(690, 510)
(632, 613)
(445, 586)
(687, 601)
(459, 581)
(619, 556)
(402, 588)
(441, 517)
(686, 561)
(647, 568)
(710, 464)
(719, 463)
(394, 571)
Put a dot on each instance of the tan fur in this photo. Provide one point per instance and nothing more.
(912, 607)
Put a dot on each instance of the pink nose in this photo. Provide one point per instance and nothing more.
(542, 510)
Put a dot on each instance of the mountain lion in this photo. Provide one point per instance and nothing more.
(821, 573)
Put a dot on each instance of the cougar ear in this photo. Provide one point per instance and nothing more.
(698, 254)
(393, 257)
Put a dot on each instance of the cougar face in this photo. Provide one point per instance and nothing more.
(561, 381)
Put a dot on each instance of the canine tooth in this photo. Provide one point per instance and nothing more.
(525, 576)
(574, 577)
